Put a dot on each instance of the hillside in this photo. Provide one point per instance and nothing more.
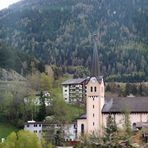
(13, 59)
(59, 32)
(10, 75)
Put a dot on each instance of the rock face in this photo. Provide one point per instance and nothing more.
(10, 75)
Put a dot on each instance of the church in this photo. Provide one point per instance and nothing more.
(98, 107)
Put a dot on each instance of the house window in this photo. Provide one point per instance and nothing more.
(39, 125)
(91, 89)
(93, 115)
(82, 128)
(35, 125)
(27, 125)
(93, 123)
(95, 88)
(75, 126)
(93, 106)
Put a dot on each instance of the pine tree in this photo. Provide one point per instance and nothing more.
(42, 108)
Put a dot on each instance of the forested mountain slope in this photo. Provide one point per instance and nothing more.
(59, 32)
(12, 60)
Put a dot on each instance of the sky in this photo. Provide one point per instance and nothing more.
(6, 3)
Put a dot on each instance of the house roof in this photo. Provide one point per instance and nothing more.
(26, 123)
(123, 104)
(74, 81)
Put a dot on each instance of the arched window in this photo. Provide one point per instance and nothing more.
(82, 128)
(134, 126)
(91, 89)
(95, 88)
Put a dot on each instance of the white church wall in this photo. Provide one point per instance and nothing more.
(135, 117)
(144, 117)
(119, 118)
(104, 118)
(79, 123)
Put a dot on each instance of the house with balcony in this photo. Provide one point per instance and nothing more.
(74, 90)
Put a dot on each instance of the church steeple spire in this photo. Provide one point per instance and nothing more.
(95, 68)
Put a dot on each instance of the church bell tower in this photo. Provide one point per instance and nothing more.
(95, 97)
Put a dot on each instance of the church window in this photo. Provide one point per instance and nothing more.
(93, 115)
(93, 123)
(91, 89)
(82, 128)
(93, 106)
(134, 126)
(95, 88)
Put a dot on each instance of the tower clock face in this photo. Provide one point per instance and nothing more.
(93, 80)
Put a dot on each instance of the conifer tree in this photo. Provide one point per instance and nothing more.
(42, 108)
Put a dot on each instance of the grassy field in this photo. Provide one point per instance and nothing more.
(6, 129)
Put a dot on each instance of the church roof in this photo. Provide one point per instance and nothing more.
(83, 116)
(99, 79)
(126, 104)
(95, 68)
(74, 81)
